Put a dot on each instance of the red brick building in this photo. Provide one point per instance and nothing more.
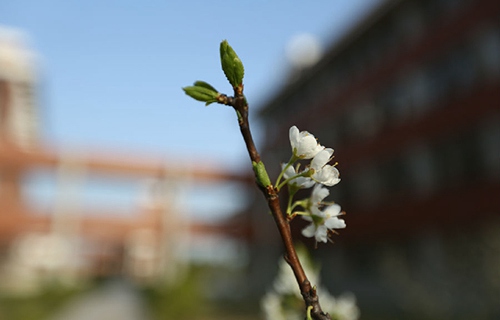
(410, 101)
(69, 235)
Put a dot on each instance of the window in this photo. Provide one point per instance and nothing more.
(398, 103)
(419, 92)
(457, 159)
(463, 71)
(409, 21)
(364, 120)
(421, 169)
(395, 176)
(489, 146)
(487, 50)
(367, 185)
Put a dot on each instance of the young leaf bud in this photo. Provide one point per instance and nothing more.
(231, 64)
(202, 93)
(261, 174)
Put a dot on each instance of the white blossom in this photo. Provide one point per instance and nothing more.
(304, 145)
(318, 194)
(299, 182)
(343, 307)
(323, 172)
(271, 306)
(284, 300)
(322, 221)
(285, 283)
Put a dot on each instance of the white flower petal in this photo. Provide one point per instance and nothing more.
(304, 144)
(289, 172)
(307, 218)
(346, 307)
(321, 158)
(315, 211)
(321, 234)
(294, 137)
(271, 305)
(309, 231)
(301, 182)
(328, 175)
(285, 283)
(332, 210)
(335, 223)
(304, 182)
(318, 194)
(308, 147)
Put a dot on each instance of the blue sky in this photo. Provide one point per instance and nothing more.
(112, 71)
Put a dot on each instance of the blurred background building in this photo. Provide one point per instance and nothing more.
(410, 100)
(64, 239)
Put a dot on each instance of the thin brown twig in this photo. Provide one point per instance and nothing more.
(308, 292)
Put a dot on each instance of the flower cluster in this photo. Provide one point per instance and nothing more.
(305, 146)
(324, 217)
(283, 301)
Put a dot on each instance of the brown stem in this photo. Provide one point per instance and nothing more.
(241, 107)
(308, 292)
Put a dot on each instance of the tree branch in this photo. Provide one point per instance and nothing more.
(270, 193)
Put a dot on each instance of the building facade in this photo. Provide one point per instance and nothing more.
(410, 101)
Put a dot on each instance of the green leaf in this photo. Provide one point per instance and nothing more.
(200, 83)
(231, 64)
(201, 93)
